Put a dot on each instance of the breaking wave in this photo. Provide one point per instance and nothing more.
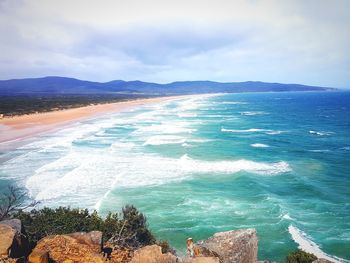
(305, 243)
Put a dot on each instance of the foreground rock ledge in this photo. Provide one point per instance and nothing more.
(238, 246)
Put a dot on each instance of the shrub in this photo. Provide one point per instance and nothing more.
(128, 229)
(299, 256)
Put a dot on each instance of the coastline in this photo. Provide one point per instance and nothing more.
(18, 128)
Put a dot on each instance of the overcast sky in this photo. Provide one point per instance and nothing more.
(163, 41)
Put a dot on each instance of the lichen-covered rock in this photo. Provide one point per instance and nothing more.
(38, 256)
(7, 237)
(201, 260)
(8, 260)
(121, 255)
(93, 239)
(152, 254)
(238, 246)
(63, 247)
(13, 241)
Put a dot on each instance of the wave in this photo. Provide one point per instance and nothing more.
(244, 131)
(266, 131)
(320, 151)
(165, 128)
(165, 139)
(253, 113)
(72, 179)
(233, 102)
(346, 148)
(286, 216)
(306, 244)
(259, 145)
(321, 133)
(186, 114)
(261, 168)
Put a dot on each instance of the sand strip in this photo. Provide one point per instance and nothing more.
(17, 128)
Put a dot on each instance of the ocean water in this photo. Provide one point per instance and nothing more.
(278, 162)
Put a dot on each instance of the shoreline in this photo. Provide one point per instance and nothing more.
(16, 129)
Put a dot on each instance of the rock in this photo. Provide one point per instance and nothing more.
(239, 246)
(14, 238)
(93, 239)
(202, 260)
(38, 256)
(64, 247)
(9, 260)
(121, 255)
(322, 260)
(7, 234)
(152, 254)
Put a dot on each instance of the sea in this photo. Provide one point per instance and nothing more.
(276, 162)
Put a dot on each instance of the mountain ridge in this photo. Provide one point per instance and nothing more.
(52, 85)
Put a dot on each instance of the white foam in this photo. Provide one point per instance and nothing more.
(235, 166)
(82, 178)
(164, 139)
(244, 131)
(270, 132)
(186, 114)
(320, 151)
(253, 113)
(165, 128)
(233, 102)
(286, 216)
(305, 243)
(321, 133)
(259, 145)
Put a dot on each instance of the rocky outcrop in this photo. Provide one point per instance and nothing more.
(77, 247)
(201, 260)
(7, 237)
(121, 255)
(38, 256)
(238, 246)
(93, 239)
(152, 254)
(13, 241)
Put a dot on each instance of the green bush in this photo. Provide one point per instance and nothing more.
(299, 256)
(126, 229)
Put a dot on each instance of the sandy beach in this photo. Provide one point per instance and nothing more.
(17, 128)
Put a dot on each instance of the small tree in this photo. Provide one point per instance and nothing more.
(12, 202)
(134, 231)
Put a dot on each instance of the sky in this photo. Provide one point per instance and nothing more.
(300, 41)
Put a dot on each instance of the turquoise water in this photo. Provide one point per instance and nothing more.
(278, 162)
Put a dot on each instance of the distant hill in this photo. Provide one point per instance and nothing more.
(62, 85)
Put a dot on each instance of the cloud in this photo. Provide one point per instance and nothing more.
(163, 40)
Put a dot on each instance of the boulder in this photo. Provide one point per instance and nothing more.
(121, 255)
(62, 248)
(202, 260)
(38, 256)
(7, 234)
(13, 241)
(152, 254)
(93, 239)
(238, 246)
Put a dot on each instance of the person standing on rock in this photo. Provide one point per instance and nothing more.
(190, 247)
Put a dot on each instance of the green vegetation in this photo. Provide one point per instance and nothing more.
(299, 256)
(19, 105)
(128, 229)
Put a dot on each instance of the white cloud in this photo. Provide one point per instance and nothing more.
(162, 40)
